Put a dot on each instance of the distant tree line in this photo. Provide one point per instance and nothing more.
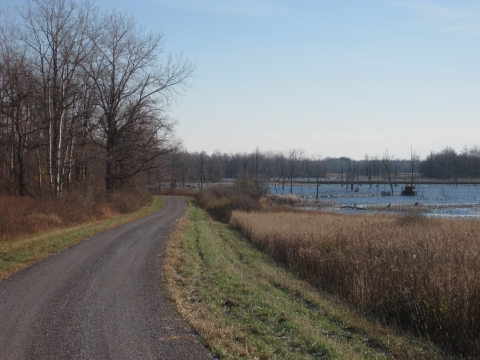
(83, 98)
(450, 166)
(283, 168)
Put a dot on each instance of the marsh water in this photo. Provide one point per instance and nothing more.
(436, 200)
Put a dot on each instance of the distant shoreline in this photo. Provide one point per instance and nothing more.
(379, 182)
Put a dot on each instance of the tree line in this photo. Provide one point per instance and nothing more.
(84, 96)
(284, 167)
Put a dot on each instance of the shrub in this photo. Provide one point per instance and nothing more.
(26, 216)
(283, 200)
(220, 202)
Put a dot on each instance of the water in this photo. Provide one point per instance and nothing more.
(437, 200)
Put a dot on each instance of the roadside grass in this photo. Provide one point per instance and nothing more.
(18, 254)
(245, 305)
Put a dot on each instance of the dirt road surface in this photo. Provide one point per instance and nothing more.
(100, 299)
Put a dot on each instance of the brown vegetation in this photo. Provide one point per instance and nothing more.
(422, 274)
(176, 192)
(26, 216)
(221, 201)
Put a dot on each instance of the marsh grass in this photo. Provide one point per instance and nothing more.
(243, 304)
(418, 273)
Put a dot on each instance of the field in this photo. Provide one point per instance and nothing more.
(418, 273)
(243, 304)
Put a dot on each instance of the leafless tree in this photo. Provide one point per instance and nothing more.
(217, 171)
(202, 162)
(134, 89)
(15, 108)
(414, 160)
(184, 166)
(319, 170)
(242, 161)
(55, 35)
(294, 156)
(258, 159)
(174, 157)
(368, 163)
(387, 162)
(352, 168)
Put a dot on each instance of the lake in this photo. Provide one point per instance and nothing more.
(437, 200)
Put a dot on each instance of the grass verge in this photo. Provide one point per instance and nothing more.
(244, 305)
(21, 253)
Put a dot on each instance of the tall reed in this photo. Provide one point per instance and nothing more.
(422, 274)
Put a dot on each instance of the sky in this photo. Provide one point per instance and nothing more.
(335, 78)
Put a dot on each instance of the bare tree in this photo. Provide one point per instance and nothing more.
(319, 170)
(174, 156)
(294, 157)
(387, 162)
(352, 168)
(55, 35)
(217, 171)
(241, 160)
(368, 169)
(184, 163)
(15, 108)
(414, 160)
(202, 162)
(258, 159)
(134, 89)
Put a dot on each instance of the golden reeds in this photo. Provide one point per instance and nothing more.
(422, 274)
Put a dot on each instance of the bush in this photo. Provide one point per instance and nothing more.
(220, 202)
(26, 216)
(283, 200)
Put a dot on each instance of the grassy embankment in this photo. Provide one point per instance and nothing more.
(31, 231)
(245, 305)
(418, 273)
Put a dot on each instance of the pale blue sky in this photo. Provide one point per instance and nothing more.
(340, 78)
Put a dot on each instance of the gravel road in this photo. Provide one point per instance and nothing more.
(103, 298)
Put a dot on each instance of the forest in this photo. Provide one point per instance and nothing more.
(84, 99)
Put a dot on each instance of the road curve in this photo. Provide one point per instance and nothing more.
(100, 299)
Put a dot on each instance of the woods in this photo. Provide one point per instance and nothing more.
(84, 98)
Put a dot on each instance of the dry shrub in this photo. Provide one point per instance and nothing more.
(26, 216)
(283, 200)
(422, 274)
(220, 202)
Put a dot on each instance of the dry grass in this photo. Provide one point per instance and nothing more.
(22, 217)
(245, 305)
(422, 274)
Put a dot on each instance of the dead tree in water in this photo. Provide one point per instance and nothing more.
(387, 162)
(294, 157)
(414, 160)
